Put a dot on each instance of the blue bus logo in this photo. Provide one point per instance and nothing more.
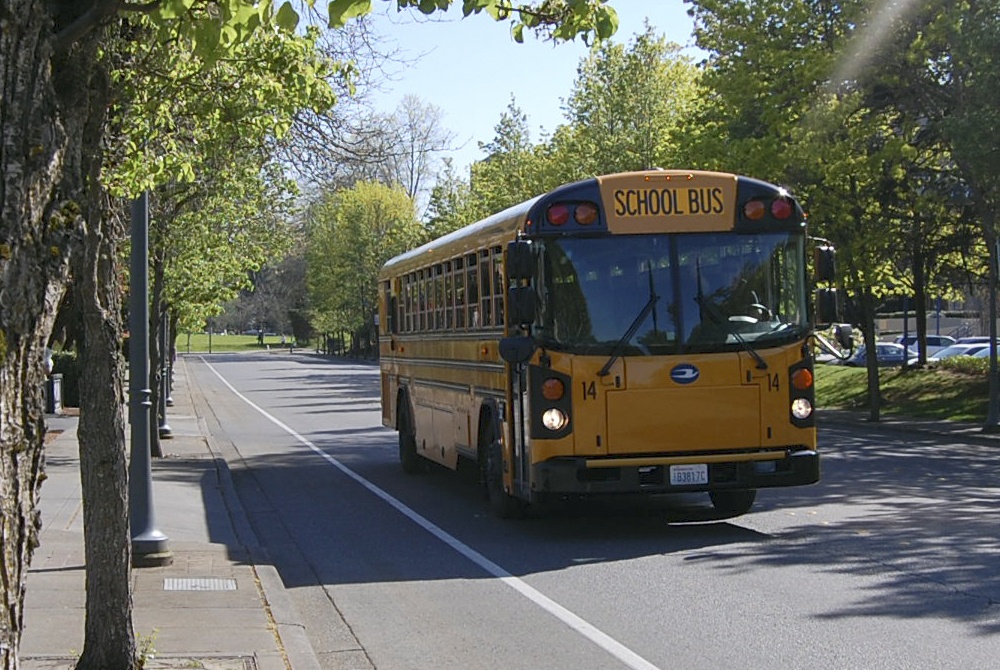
(685, 373)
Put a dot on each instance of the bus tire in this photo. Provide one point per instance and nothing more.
(502, 504)
(409, 458)
(733, 503)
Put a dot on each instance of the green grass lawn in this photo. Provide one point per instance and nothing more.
(200, 343)
(942, 392)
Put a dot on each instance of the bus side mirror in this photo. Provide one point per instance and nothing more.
(824, 263)
(827, 305)
(520, 262)
(520, 306)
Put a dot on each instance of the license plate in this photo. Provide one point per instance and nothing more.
(688, 475)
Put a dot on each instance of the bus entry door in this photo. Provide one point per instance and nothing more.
(519, 429)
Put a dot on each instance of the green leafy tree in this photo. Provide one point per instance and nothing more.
(352, 233)
(452, 204)
(629, 108)
(514, 169)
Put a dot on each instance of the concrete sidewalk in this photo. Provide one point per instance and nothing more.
(219, 605)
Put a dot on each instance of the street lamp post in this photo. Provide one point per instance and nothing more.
(149, 545)
(165, 431)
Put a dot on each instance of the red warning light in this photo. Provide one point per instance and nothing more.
(557, 215)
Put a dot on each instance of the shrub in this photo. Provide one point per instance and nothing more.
(966, 365)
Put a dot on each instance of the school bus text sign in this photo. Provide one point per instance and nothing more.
(681, 203)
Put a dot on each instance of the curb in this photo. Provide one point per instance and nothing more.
(972, 433)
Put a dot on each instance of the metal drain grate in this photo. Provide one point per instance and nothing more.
(198, 584)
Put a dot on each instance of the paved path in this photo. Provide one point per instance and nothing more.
(219, 605)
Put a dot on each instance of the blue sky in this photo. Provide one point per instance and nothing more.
(470, 68)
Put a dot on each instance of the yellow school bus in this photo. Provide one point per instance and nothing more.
(643, 332)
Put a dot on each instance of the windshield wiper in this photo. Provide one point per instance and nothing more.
(718, 317)
(616, 352)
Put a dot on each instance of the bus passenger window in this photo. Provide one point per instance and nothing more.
(449, 297)
(472, 299)
(498, 286)
(405, 303)
(438, 299)
(485, 284)
(459, 294)
(424, 286)
(399, 310)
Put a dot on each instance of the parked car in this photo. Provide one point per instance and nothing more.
(975, 339)
(935, 343)
(960, 349)
(886, 353)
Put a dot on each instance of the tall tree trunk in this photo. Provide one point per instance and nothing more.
(109, 638)
(109, 642)
(867, 308)
(37, 233)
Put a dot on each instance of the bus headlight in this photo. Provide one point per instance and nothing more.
(801, 408)
(554, 420)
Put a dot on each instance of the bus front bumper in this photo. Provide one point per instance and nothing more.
(569, 476)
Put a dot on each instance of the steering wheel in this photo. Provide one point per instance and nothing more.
(763, 310)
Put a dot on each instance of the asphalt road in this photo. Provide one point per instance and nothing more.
(892, 561)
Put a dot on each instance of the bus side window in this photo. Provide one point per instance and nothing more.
(404, 305)
(498, 286)
(449, 297)
(472, 277)
(424, 282)
(485, 304)
(438, 298)
(394, 307)
(459, 293)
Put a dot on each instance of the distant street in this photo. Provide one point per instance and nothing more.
(892, 561)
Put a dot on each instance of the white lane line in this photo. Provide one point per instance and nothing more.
(589, 631)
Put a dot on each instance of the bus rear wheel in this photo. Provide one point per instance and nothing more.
(733, 503)
(502, 504)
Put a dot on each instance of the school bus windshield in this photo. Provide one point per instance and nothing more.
(674, 292)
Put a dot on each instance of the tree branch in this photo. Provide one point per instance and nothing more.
(98, 12)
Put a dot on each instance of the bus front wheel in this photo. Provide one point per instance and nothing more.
(502, 504)
(733, 503)
(409, 458)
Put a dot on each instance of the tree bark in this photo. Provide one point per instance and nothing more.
(109, 638)
(37, 233)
